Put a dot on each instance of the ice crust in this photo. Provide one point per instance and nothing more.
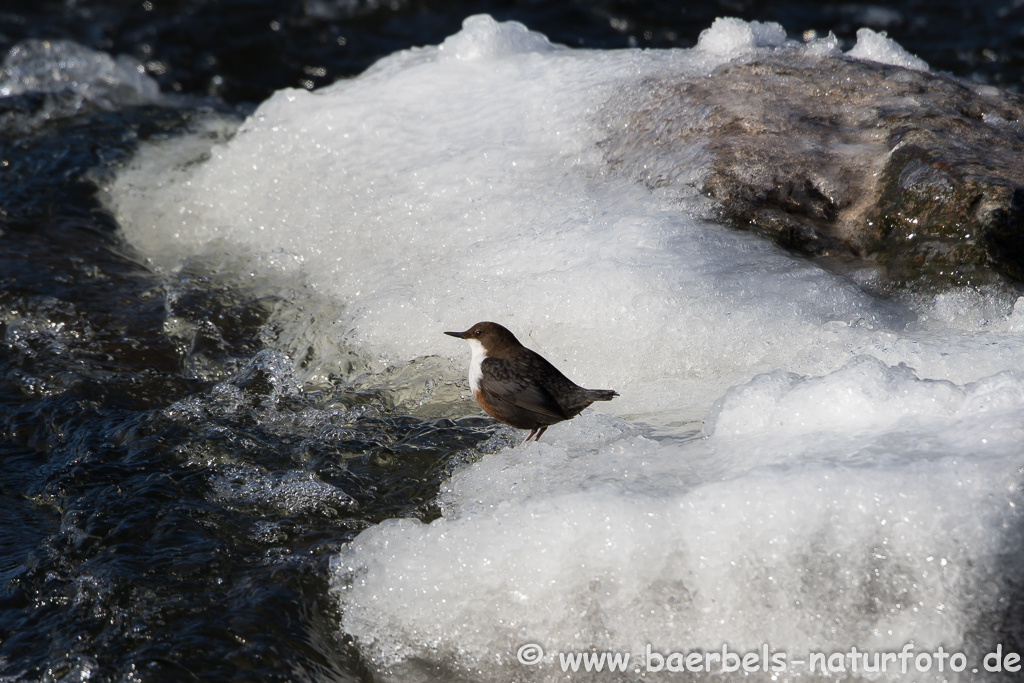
(878, 47)
(866, 508)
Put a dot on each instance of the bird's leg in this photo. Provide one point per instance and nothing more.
(542, 430)
(529, 436)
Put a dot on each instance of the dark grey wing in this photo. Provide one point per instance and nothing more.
(506, 386)
(571, 397)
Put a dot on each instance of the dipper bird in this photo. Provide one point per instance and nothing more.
(517, 386)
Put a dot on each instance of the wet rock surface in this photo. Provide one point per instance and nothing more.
(916, 174)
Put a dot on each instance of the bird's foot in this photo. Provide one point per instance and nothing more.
(536, 430)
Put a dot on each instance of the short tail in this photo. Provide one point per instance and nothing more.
(601, 394)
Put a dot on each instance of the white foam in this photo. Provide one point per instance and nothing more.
(863, 443)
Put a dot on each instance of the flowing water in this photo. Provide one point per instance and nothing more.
(237, 446)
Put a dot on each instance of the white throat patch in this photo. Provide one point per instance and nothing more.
(475, 372)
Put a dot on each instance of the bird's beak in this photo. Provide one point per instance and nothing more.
(460, 335)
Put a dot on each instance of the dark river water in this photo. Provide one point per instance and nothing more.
(170, 496)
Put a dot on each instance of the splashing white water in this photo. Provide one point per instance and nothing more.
(76, 73)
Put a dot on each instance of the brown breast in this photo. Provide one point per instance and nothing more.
(488, 408)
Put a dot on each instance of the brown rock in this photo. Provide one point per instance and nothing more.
(851, 160)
